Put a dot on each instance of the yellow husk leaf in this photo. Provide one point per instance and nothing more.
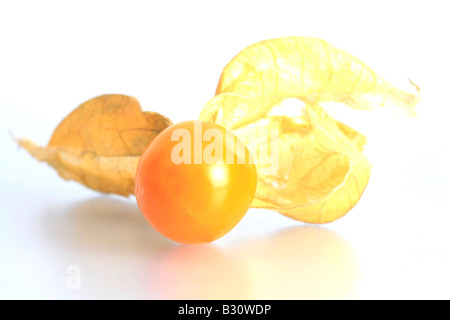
(99, 144)
(314, 71)
(321, 171)
(278, 84)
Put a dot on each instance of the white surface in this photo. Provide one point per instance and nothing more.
(55, 55)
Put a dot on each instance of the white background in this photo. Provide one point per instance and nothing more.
(54, 55)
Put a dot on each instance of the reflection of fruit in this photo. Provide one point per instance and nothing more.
(193, 191)
(300, 263)
(197, 272)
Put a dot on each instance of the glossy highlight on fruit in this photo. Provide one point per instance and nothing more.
(192, 183)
